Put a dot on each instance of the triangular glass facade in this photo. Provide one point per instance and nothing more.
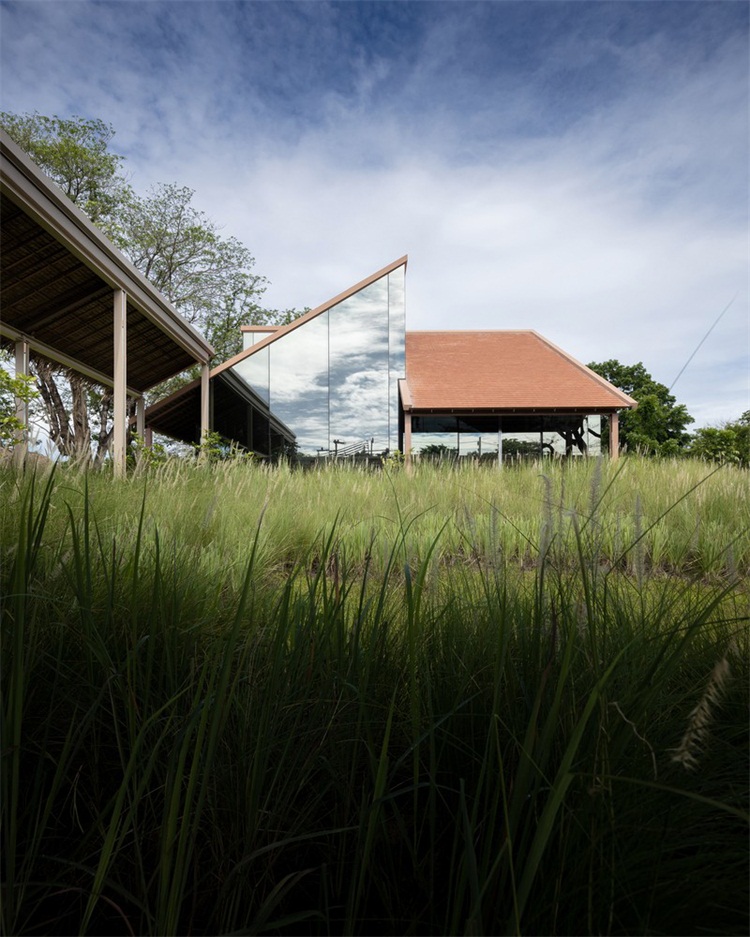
(333, 379)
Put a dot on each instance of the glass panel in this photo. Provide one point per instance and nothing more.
(299, 383)
(359, 370)
(396, 350)
(436, 445)
(254, 371)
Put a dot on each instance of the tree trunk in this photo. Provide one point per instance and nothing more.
(57, 414)
(81, 440)
(104, 438)
(70, 425)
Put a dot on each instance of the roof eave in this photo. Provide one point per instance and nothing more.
(42, 199)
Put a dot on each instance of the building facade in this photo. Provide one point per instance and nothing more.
(346, 379)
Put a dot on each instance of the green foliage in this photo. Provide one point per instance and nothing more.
(729, 442)
(658, 425)
(215, 448)
(75, 153)
(142, 456)
(393, 460)
(11, 388)
(208, 278)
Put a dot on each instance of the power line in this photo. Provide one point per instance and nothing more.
(697, 347)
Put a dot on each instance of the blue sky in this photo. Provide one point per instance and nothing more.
(576, 168)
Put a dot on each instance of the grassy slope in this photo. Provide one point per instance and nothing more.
(439, 703)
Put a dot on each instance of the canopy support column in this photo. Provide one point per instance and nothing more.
(140, 416)
(22, 404)
(205, 402)
(500, 446)
(120, 381)
(407, 436)
(614, 434)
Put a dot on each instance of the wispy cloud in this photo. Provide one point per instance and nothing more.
(576, 168)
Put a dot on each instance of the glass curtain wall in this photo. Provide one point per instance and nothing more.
(452, 437)
(334, 380)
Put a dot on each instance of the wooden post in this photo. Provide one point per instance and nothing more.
(407, 437)
(140, 417)
(614, 435)
(120, 380)
(205, 414)
(22, 406)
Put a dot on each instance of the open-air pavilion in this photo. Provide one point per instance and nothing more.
(486, 384)
(68, 295)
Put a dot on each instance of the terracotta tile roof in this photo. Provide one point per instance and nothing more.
(501, 370)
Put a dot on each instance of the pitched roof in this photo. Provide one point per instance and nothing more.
(501, 370)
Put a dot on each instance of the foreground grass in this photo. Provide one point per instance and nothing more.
(238, 700)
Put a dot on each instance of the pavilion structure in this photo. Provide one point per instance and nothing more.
(487, 384)
(68, 295)
(346, 379)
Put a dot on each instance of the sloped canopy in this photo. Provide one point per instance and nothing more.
(238, 414)
(58, 273)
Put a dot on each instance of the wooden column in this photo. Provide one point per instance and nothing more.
(205, 402)
(407, 436)
(140, 417)
(22, 406)
(120, 381)
(499, 446)
(614, 434)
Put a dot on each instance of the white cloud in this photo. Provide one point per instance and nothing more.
(587, 179)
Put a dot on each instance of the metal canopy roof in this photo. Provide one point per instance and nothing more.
(57, 275)
(177, 414)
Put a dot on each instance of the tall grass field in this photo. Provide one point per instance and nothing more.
(447, 700)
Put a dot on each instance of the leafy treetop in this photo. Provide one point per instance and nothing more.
(658, 425)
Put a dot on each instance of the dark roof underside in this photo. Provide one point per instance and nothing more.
(178, 415)
(51, 296)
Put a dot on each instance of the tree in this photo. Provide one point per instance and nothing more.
(12, 389)
(728, 442)
(208, 278)
(75, 153)
(658, 425)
